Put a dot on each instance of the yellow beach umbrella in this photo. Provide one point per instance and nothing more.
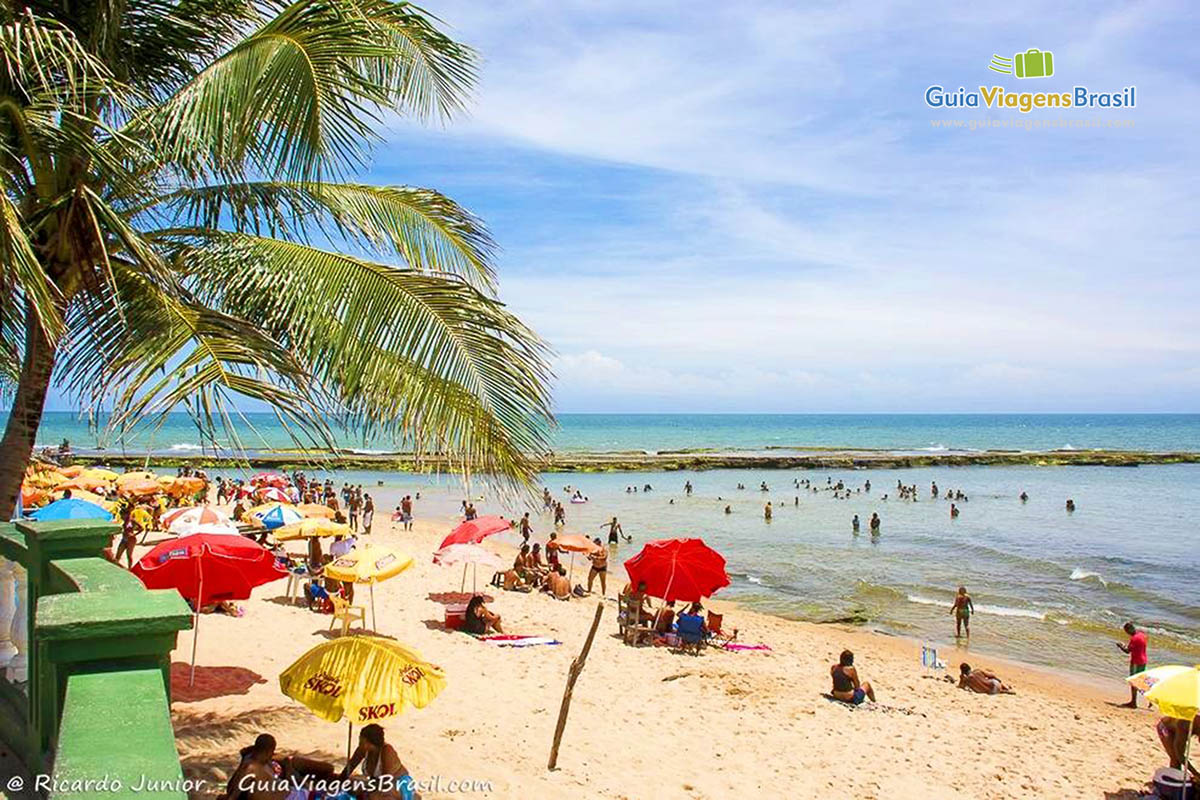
(1144, 681)
(131, 477)
(316, 510)
(1176, 692)
(83, 494)
(368, 563)
(311, 528)
(362, 678)
(100, 474)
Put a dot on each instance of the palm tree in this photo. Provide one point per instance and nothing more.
(179, 228)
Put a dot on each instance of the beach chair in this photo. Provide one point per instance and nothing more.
(342, 610)
(716, 634)
(629, 622)
(692, 635)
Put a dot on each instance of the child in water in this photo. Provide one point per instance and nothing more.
(962, 609)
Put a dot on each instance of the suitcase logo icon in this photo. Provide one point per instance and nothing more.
(1033, 63)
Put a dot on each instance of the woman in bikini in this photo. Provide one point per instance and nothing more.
(381, 764)
(846, 685)
(962, 609)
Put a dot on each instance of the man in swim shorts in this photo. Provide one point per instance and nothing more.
(1137, 650)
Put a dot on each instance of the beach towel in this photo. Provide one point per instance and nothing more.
(516, 640)
(737, 648)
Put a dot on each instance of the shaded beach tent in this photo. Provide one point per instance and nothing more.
(139, 487)
(197, 519)
(316, 510)
(70, 508)
(1176, 692)
(370, 564)
(206, 568)
(467, 554)
(476, 530)
(574, 543)
(678, 569)
(362, 678)
(275, 515)
(311, 528)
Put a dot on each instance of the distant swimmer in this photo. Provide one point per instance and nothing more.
(962, 610)
(1070, 505)
(687, 488)
(1024, 497)
(763, 487)
(933, 490)
(867, 486)
(728, 510)
(854, 523)
(953, 511)
(767, 511)
(797, 501)
(875, 523)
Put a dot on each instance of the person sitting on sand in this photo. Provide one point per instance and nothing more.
(1172, 734)
(261, 776)
(846, 685)
(557, 583)
(514, 582)
(535, 557)
(981, 681)
(962, 610)
(478, 619)
(523, 565)
(378, 759)
(665, 618)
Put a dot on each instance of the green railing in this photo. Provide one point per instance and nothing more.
(86, 700)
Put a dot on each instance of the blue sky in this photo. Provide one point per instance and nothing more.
(745, 207)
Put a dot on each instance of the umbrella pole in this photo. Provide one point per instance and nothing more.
(462, 587)
(1187, 755)
(195, 636)
(374, 624)
(571, 578)
(350, 738)
(474, 576)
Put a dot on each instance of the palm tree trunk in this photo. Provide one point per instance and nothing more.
(20, 434)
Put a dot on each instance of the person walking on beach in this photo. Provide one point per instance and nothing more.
(368, 516)
(406, 509)
(353, 506)
(1137, 650)
(962, 610)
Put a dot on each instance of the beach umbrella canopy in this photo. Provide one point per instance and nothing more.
(33, 495)
(316, 510)
(1144, 681)
(361, 678)
(140, 475)
(139, 487)
(1176, 691)
(275, 515)
(272, 494)
(181, 487)
(311, 528)
(368, 563)
(205, 568)
(74, 470)
(89, 497)
(476, 530)
(70, 508)
(197, 519)
(96, 473)
(574, 543)
(269, 479)
(678, 569)
(85, 482)
(453, 554)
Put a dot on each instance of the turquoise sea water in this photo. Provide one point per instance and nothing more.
(660, 432)
(1050, 587)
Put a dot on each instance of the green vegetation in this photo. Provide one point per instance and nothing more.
(180, 227)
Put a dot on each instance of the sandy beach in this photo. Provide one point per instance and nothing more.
(647, 722)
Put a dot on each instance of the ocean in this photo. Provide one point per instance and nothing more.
(741, 432)
(1050, 587)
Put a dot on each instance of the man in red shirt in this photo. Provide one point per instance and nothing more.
(1137, 657)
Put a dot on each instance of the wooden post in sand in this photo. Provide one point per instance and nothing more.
(572, 674)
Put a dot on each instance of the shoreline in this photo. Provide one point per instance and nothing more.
(800, 458)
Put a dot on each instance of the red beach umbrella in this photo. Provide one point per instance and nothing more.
(475, 531)
(678, 569)
(205, 568)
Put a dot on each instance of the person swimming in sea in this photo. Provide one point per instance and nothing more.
(1070, 506)
(728, 510)
(962, 610)
(953, 511)
(854, 524)
(1024, 497)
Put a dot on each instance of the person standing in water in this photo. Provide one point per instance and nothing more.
(615, 533)
(1138, 659)
(687, 488)
(875, 523)
(962, 609)
(854, 524)
(767, 511)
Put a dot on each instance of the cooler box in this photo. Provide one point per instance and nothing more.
(455, 616)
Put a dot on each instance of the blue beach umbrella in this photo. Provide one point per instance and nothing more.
(70, 508)
(275, 515)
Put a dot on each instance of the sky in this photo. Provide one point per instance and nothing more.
(745, 207)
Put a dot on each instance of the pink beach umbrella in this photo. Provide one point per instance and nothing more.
(476, 530)
(466, 554)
